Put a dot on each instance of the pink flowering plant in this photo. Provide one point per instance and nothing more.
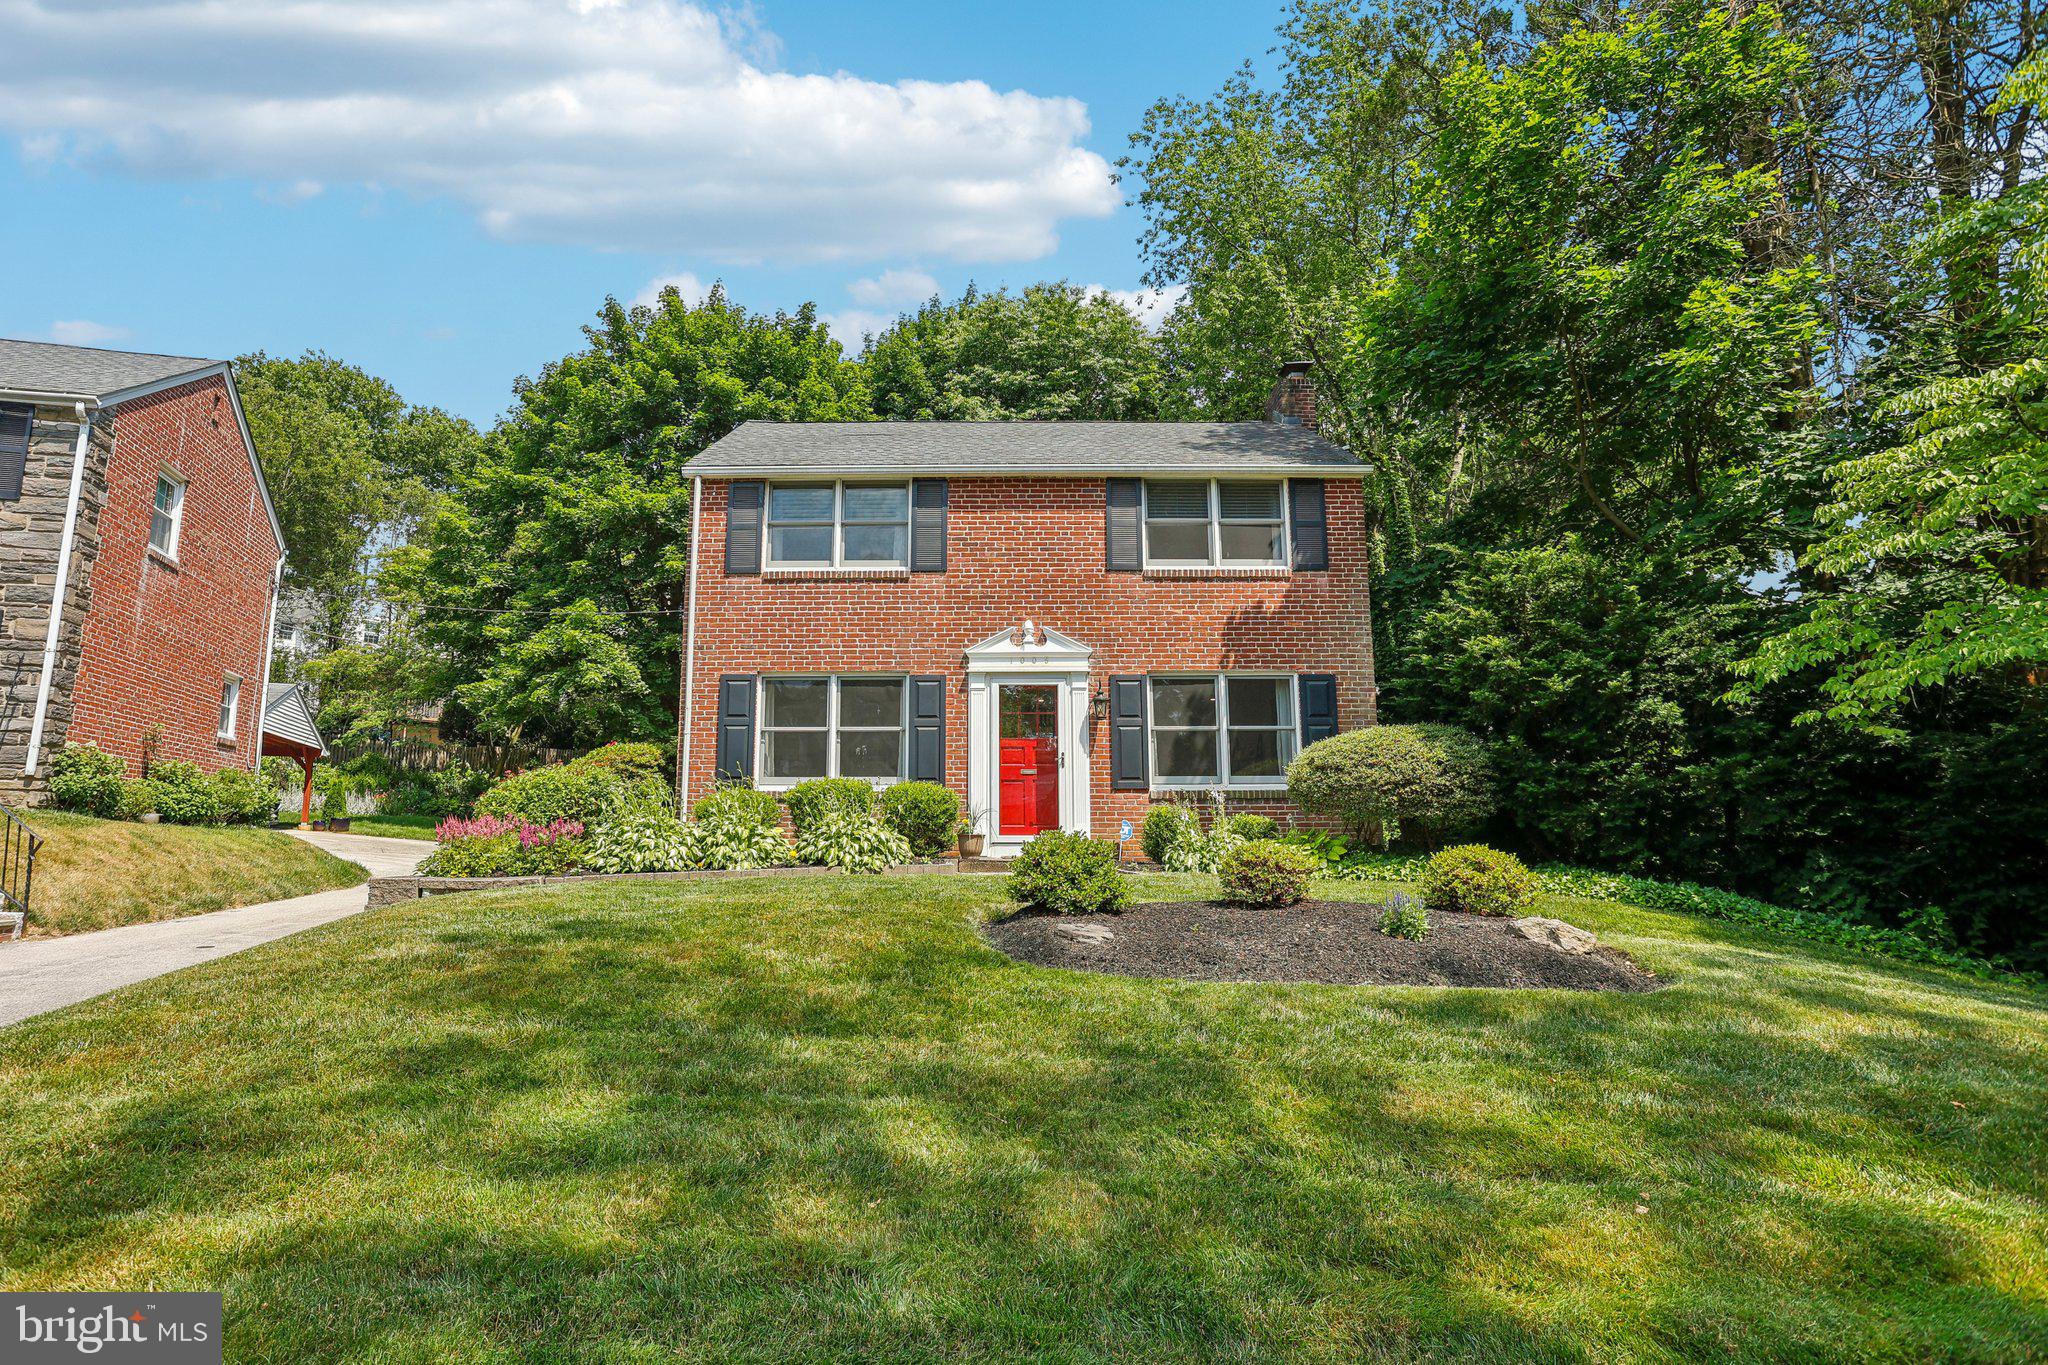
(502, 846)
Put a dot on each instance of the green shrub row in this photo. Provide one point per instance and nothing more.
(87, 779)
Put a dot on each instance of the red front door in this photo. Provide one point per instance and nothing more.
(1030, 767)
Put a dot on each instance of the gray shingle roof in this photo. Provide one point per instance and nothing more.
(287, 715)
(45, 367)
(1023, 448)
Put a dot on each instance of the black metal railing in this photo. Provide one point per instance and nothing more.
(18, 845)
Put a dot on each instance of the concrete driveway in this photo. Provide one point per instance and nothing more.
(40, 975)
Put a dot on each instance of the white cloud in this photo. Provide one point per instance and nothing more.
(688, 285)
(1150, 305)
(82, 333)
(894, 288)
(850, 326)
(298, 192)
(651, 125)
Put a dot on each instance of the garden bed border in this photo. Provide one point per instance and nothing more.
(396, 890)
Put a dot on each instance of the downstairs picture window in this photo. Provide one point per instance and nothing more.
(832, 727)
(1222, 728)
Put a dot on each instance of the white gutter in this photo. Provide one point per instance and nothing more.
(35, 729)
(49, 399)
(689, 653)
(269, 654)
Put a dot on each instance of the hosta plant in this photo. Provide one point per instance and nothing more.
(645, 841)
(851, 843)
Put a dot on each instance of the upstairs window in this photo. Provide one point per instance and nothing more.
(1222, 729)
(838, 525)
(1215, 523)
(169, 512)
(230, 702)
(831, 727)
(16, 422)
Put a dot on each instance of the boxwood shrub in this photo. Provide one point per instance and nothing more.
(1478, 880)
(1069, 874)
(1420, 783)
(1265, 873)
(925, 813)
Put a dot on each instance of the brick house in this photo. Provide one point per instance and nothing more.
(139, 561)
(1062, 621)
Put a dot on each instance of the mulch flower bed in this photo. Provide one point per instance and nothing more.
(1324, 941)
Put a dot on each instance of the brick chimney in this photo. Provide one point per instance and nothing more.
(1292, 401)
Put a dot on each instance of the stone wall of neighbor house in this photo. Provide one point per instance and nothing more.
(1033, 549)
(162, 634)
(31, 533)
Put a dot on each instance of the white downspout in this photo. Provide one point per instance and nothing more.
(35, 729)
(689, 653)
(269, 655)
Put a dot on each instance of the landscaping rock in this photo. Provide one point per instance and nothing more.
(1093, 935)
(1566, 938)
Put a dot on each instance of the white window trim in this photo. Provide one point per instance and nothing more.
(1216, 523)
(232, 703)
(838, 560)
(831, 728)
(1223, 780)
(176, 514)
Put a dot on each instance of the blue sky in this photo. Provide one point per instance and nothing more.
(451, 218)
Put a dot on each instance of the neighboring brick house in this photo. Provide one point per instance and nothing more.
(1062, 621)
(131, 494)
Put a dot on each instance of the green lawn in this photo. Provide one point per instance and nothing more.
(95, 874)
(395, 826)
(761, 1119)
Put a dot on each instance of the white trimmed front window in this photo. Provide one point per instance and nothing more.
(838, 525)
(833, 727)
(166, 515)
(1228, 729)
(1215, 523)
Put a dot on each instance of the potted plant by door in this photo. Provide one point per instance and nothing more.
(334, 808)
(971, 840)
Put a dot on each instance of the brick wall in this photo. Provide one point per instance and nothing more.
(161, 636)
(1033, 549)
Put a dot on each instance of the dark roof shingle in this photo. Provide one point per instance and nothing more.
(46, 367)
(1023, 448)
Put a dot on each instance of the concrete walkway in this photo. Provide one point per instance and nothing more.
(39, 975)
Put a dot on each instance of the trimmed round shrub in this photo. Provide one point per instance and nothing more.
(1265, 873)
(627, 759)
(851, 843)
(1249, 826)
(925, 813)
(565, 791)
(643, 841)
(1421, 783)
(1477, 879)
(182, 794)
(243, 797)
(809, 802)
(87, 779)
(1069, 874)
(334, 801)
(737, 805)
(1164, 827)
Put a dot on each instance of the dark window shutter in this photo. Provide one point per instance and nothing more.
(15, 422)
(928, 526)
(736, 727)
(1126, 546)
(928, 730)
(1310, 526)
(1127, 766)
(743, 527)
(1318, 707)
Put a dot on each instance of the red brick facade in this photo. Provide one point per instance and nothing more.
(162, 634)
(1031, 549)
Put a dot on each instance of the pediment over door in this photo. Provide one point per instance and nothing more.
(1031, 648)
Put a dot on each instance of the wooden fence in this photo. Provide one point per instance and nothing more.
(431, 756)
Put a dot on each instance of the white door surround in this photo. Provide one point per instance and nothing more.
(1027, 655)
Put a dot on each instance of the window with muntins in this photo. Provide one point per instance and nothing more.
(230, 701)
(1229, 729)
(832, 727)
(165, 517)
(1215, 523)
(838, 525)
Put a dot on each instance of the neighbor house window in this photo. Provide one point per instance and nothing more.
(1222, 728)
(1214, 522)
(230, 701)
(832, 727)
(838, 525)
(168, 513)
